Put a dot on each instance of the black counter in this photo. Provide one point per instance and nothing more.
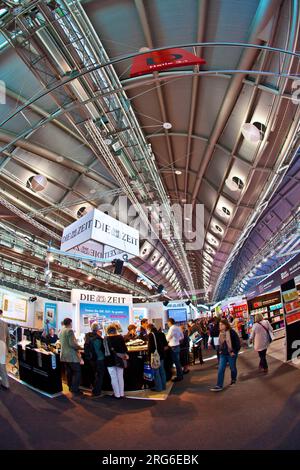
(133, 374)
(40, 370)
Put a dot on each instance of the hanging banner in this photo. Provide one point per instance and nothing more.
(163, 60)
(96, 226)
(50, 316)
(291, 307)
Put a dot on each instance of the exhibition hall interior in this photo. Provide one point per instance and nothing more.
(149, 225)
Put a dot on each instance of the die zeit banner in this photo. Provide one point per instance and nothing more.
(163, 60)
(291, 306)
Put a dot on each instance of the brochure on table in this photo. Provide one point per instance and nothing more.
(102, 307)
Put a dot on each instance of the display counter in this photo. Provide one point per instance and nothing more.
(40, 369)
(133, 374)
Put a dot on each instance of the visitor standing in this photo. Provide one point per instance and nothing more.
(4, 346)
(69, 355)
(157, 342)
(229, 346)
(94, 353)
(261, 336)
(174, 336)
(185, 350)
(115, 359)
(143, 330)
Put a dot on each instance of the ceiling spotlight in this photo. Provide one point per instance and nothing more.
(210, 250)
(59, 159)
(144, 49)
(235, 183)
(89, 278)
(211, 239)
(178, 172)
(37, 183)
(223, 211)
(217, 229)
(167, 125)
(253, 132)
(108, 141)
(81, 212)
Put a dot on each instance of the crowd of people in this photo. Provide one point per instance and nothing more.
(185, 343)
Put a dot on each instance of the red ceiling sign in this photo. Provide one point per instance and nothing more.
(162, 60)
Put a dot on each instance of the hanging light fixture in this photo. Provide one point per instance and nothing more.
(37, 183)
(253, 132)
(235, 183)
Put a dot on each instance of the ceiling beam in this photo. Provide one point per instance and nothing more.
(264, 13)
(202, 13)
(147, 32)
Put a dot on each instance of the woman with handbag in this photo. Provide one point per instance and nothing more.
(157, 344)
(115, 359)
(261, 337)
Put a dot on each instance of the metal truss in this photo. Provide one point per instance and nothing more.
(16, 240)
(58, 43)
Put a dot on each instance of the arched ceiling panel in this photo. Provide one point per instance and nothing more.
(210, 97)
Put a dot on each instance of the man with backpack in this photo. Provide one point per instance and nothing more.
(94, 354)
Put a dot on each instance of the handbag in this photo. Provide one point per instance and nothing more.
(155, 357)
(119, 358)
(270, 337)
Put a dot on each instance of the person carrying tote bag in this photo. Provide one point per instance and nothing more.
(261, 337)
(156, 349)
(116, 359)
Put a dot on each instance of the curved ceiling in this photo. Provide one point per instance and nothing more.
(63, 105)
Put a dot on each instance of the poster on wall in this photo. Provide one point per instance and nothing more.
(103, 307)
(50, 316)
(291, 307)
(104, 315)
(14, 307)
(138, 315)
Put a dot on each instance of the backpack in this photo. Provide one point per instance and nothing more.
(89, 350)
(155, 357)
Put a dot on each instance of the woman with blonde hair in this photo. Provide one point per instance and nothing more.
(261, 337)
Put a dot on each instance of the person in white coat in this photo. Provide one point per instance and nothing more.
(4, 345)
(261, 337)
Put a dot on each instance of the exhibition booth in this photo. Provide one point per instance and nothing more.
(38, 365)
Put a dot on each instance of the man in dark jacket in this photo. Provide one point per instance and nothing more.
(94, 350)
(143, 330)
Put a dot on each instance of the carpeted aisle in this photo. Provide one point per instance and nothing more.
(259, 412)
